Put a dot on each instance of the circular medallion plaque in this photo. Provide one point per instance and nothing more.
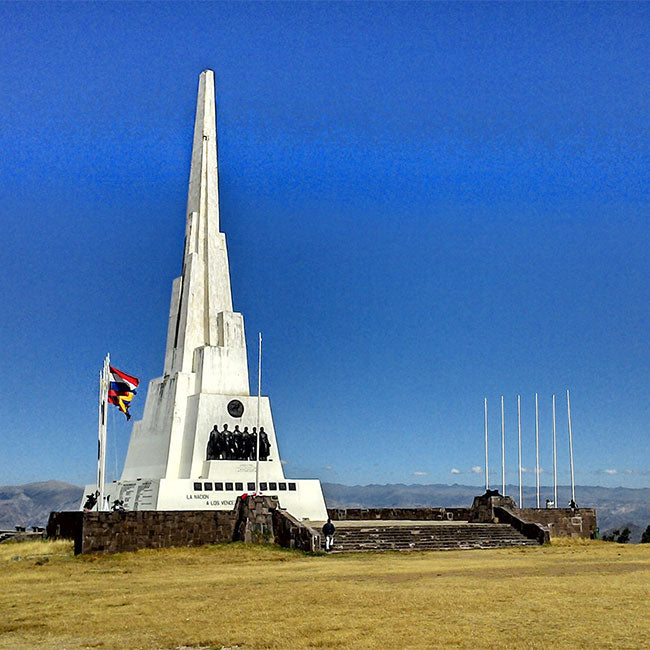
(235, 408)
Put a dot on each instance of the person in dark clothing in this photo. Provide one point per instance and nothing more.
(328, 531)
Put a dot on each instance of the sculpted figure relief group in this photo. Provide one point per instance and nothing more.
(237, 445)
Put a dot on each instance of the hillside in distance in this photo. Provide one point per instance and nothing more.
(31, 504)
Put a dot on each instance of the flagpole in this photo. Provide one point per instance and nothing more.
(107, 379)
(519, 428)
(554, 458)
(259, 391)
(487, 483)
(101, 414)
(503, 450)
(537, 446)
(101, 442)
(573, 485)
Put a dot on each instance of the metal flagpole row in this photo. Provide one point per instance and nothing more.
(537, 465)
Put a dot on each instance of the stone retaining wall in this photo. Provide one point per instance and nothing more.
(559, 522)
(259, 520)
(529, 529)
(482, 510)
(411, 514)
(563, 522)
(115, 532)
(252, 520)
(291, 533)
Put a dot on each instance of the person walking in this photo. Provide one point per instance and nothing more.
(328, 531)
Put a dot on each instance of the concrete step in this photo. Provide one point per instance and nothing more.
(396, 537)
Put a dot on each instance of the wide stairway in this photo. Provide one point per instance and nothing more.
(423, 536)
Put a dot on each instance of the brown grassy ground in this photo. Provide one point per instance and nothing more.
(570, 595)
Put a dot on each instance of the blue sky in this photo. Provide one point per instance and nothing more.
(425, 204)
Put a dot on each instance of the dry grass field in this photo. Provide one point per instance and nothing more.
(568, 595)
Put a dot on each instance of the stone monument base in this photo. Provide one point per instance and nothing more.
(252, 520)
(303, 498)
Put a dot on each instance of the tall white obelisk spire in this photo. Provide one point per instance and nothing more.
(201, 309)
(203, 194)
(206, 344)
(192, 448)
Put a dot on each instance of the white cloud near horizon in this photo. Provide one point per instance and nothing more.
(454, 470)
(531, 470)
(476, 469)
(420, 473)
(627, 471)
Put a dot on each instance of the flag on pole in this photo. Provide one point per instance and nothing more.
(121, 390)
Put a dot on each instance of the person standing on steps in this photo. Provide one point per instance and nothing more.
(328, 531)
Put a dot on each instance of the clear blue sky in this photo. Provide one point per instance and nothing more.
(425, 204)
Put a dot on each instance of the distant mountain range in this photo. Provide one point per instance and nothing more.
(31, 504)
(616, 507)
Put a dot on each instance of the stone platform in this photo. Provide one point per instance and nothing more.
(492, 522)
(418, 535)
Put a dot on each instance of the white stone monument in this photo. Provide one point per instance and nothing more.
(171, 463)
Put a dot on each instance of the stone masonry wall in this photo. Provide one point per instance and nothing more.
(291, 533)
(115, 532)
(482, 510)
(530, 529)
(253, 520)
(259, 520)
(563, 522)
(411, 514)
(559, 522)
